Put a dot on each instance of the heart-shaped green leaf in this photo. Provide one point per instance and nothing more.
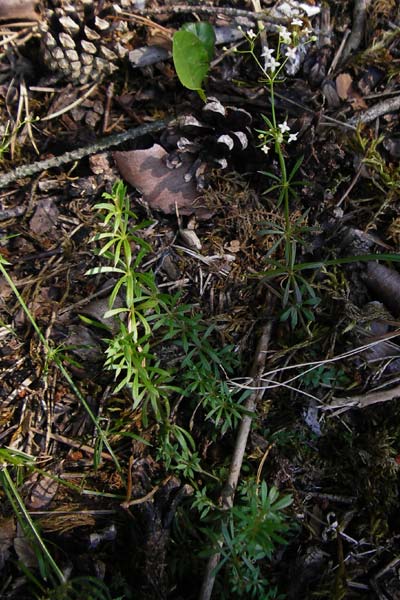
(190, 59)
(206, 34)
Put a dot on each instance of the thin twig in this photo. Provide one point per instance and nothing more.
(269, 375)
(228, 492)
(128, 503)
(339, 52)
(68, 157)
(109, 97)
(263, 34)
(262, 463)
(28, 118)
(72, 105)
(352, 184)
(72, 443)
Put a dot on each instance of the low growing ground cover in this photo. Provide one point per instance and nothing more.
(199, 300)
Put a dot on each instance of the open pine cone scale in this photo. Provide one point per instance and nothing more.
(80, 39)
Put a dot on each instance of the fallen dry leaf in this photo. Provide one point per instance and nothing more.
(233, 246)
(100, 165)
(344, 82)
(24, 550)
(357, 101)
(162, 188)
(45, 218)
(346, 91)
(160, 37)
(7, 534)
(43, 490)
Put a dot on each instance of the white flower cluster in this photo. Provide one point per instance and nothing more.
(289, 40)
(297, 22)
(292, 38)
(271, 63)
(285, 35)
(277, 136)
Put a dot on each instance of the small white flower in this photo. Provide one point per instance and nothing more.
(306, 31)
(267, 52)
(272, 64)
(298, 22)
(285, 35)
(265, 149)
(291, 53)
(292, 137)
(283, 127)
(251, 35)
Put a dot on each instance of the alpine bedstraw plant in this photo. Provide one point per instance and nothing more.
(133, 300)
(250, 533)
(298, 295)
(148, 320)
(205, 369)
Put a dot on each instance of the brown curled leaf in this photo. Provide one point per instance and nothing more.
(163, 189)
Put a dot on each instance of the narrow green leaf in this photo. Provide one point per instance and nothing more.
(97, 270)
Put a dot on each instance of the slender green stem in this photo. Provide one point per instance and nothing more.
(20, 509)
(278, 149)
(272, 98)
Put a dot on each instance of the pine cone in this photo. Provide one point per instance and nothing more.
(76, 40)
(216, 140)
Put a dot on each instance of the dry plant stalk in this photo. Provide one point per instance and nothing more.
(228, 492)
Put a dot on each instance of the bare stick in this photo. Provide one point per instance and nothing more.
(340, 405)
(357, 32)
(382, 108)
(212, 10)
(68, 157)
(228, 492)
